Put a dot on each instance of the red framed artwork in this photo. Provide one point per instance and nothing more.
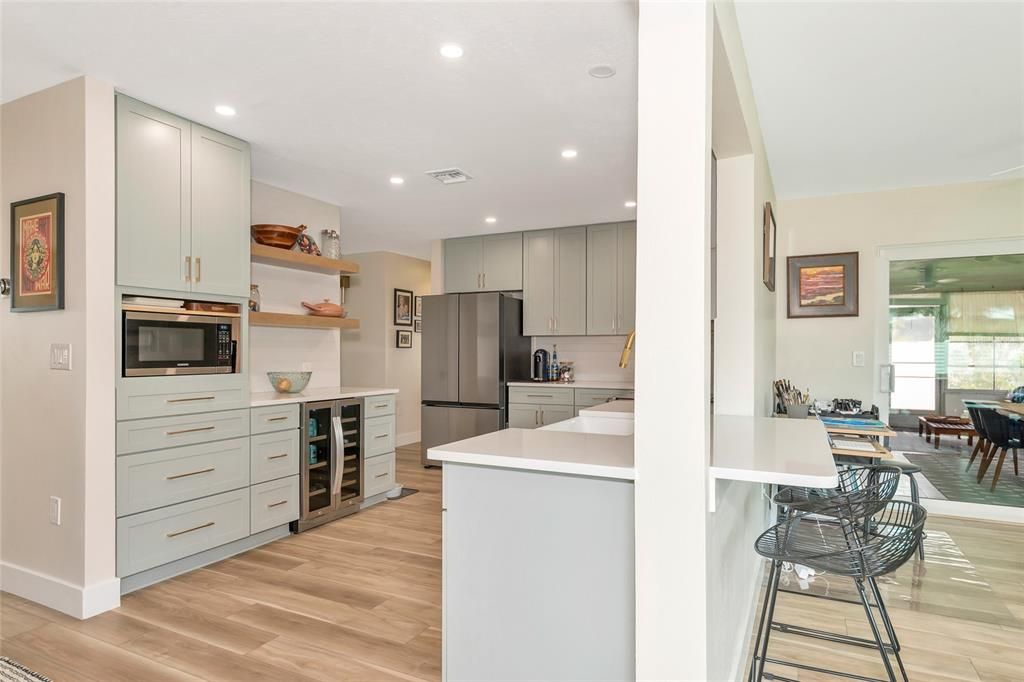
(37, 254)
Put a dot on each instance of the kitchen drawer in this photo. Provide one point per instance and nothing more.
(140, 397)
(274, 418)
(588, 397)
(163, 535)
(378, 405)
(378, 436)
(274, 455)
(379, 474)
(187, 429)
(156, 479)
(540, 395)
(274, 503)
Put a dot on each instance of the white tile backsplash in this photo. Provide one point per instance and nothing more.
(595, 358)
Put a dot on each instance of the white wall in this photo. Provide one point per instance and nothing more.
(58, 427)
(282, 290)
(369, 355)
(817, 352)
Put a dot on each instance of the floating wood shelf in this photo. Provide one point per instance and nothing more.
(269, 255)
(303, 321)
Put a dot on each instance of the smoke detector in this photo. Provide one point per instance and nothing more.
(449, 176)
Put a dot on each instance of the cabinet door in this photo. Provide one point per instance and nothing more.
(220, 213)
(602, 278)
(523, 416)
(549, 414)
(153, 197)
(571, 281)
(503, 262)
(463, 269)
(538, 282)
(626, 319)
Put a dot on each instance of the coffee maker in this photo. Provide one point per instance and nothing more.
(539, 371)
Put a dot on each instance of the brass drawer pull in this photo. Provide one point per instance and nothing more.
(188, 400)
(283, 454)
(276, 419)
(381, 475)
(191, 473)
(381, 435)
(539, 395)
(190, 530)
(195, 430)
(277, 504)
(379, 406)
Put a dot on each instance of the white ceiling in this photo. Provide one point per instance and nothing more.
(862, 96)
(336, 97)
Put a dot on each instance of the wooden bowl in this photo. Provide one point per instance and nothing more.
(279, 236)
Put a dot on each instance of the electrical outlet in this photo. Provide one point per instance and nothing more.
(55, 510)
(858, 358)
(60, 356)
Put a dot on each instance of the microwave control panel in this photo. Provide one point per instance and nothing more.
(223, 343)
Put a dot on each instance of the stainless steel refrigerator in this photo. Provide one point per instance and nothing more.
(472, 345)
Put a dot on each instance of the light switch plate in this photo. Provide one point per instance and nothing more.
(60, 356)
(55, 510)
(858, 358)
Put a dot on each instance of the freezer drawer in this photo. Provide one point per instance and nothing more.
(443, 424)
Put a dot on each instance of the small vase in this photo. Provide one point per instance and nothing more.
(254, 298)
(330, 244)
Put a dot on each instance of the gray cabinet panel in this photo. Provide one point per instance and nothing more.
(538, 282)
(549, 414)
(463, 260)
(602, 278)
(502, 262)
(523, 416)
(570, 277)
(626, 321)
(153, 197)
(274, 503)
(220, 213)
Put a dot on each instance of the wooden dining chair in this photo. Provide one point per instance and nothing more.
(1001, 434)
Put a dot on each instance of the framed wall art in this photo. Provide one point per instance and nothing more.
(417, 326)
(418, 308)
(824, 285)
(37, 254)
(403, 307)
(403, 338)
(768, 238)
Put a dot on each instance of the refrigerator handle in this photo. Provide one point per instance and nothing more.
(336, 456)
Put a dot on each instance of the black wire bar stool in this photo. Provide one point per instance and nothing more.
(859, 547)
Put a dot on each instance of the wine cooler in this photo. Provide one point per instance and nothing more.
(331, 481)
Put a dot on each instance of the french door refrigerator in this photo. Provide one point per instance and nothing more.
(473, 344)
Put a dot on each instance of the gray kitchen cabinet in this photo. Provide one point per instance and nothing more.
(611, 278)
(220, 213)
(153, 197)
(523, 416)
(555, 282)
(490, 263)
(182, 204)
(549, 414)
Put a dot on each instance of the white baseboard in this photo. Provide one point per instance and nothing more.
(60, 595)
(973, 510)
(407, 438)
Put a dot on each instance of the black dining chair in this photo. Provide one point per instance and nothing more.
(982, 446)
(1002, 433)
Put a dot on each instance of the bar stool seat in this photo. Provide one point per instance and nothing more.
(909, 469)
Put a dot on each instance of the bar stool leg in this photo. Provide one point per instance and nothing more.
(887, 622)
(874, 630)
(764, 627)
(915, 497)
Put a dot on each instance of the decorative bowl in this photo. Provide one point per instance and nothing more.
(279, 236)
(289, 382)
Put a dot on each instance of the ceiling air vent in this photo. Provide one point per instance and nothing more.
(449, 176)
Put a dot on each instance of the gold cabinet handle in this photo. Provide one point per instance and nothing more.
(191, 473)
(198, 271)
(381, 435)
(189, 400)
(199, 428)
(188, 268)
(208, 524)
(380, 406)
(283, 454)
(277, 504)
(276, 419)
(485, 280)
(381, 475)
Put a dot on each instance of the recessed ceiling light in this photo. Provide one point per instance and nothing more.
(224, 110)
(630, 204)
(602, 71)
(395, 180)
(451, 51)
(568, 153)
(490, 219)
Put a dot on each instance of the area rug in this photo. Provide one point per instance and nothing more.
(12, 671)
(950, 476)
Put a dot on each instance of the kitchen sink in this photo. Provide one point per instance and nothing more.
(599, 425)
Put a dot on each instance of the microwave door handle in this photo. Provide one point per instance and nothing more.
(337, 456)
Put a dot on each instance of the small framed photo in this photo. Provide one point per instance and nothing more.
(37, 254)
(418, 308)
(403, 338)
(417, 326)
(403, 308)
(824, 285)
(768, 239)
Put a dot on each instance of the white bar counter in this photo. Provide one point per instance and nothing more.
(772, 450)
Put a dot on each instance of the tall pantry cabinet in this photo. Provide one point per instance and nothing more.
(611, 278)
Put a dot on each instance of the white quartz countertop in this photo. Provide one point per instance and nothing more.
(767, 450)
(564, 452)
(607, 385)
(310, 395)
(616, 409)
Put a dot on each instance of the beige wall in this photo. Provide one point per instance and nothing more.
(58, 427)
(817, 353)
(369, 356)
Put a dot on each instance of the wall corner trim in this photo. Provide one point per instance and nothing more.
(407, 438)
(74, 600)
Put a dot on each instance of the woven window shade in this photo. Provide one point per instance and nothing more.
(994, 313)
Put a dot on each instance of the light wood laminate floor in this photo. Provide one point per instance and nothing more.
(359, 600)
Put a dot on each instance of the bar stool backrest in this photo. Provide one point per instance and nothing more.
(997, 428)
(979, 423)
(862, 492)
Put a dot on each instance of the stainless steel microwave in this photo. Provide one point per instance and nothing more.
(179, 342)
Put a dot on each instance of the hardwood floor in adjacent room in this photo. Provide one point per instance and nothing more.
(355, 600)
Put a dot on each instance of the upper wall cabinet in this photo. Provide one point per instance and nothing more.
(182, 204)
(555, 282)
(611, 278)
(490, 263)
